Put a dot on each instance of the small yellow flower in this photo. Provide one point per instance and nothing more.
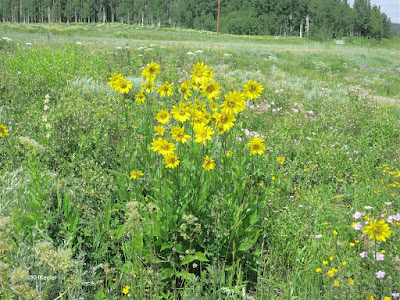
(326, 223)
(371, 298)
(325, 262)
(352, 244)
(136, 174)
(383, 251)
(305, 170)
(125, 290)
(318, 270)
(229, 154)
(336, 283)
(335, 232)
(351, 281)
(281, 160)
(344, 263)
(331, 258)
(3, 130)
(386, 298)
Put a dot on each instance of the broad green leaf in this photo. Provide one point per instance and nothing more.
(200, 256)
(120, 231)
(167, 245)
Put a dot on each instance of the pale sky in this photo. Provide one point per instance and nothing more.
(389, 7)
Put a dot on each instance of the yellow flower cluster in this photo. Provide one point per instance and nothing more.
(126, 289)
(204, 118)
(332, 272)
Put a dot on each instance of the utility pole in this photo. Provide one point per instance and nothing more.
(219, 5)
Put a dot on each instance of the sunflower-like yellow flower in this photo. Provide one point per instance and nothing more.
(224, 121)
(181, 113)
(122, 86)
(140, 98)
(171, 161)
(162, 146)
(203, 133)
(136, 174)
(379, 230)
(252, 90)
(201, 74)
(115, 77)
(256, 146)
(159, 130)
(184, 89)
(163, 116)
(165, 89)
(209, 163)
(197, 117)
(206, 117)
(211, 90)
(178, 134)
(151, 71)
(214, 106)
(3, 131)
(200, 105)
(234, 103)
(147, 87)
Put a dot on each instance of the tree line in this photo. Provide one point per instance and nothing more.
(319, 19)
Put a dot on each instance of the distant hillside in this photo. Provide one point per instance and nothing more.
(396, 28)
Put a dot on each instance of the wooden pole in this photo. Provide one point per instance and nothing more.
(219, 5)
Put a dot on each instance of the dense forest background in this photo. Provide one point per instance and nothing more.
(318, 19)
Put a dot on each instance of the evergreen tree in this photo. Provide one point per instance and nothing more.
(319, 19)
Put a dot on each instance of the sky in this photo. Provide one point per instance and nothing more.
(389, 7)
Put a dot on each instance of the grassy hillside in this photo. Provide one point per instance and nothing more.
(290, 190)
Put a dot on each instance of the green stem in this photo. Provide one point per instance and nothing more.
(10, 154)
(48, 285)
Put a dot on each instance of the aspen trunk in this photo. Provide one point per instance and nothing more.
(301, 29)
(308, 25)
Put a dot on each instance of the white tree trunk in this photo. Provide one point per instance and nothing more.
(301, 29)
(308, 25)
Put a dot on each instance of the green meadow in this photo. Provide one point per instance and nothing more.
(144, 163)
